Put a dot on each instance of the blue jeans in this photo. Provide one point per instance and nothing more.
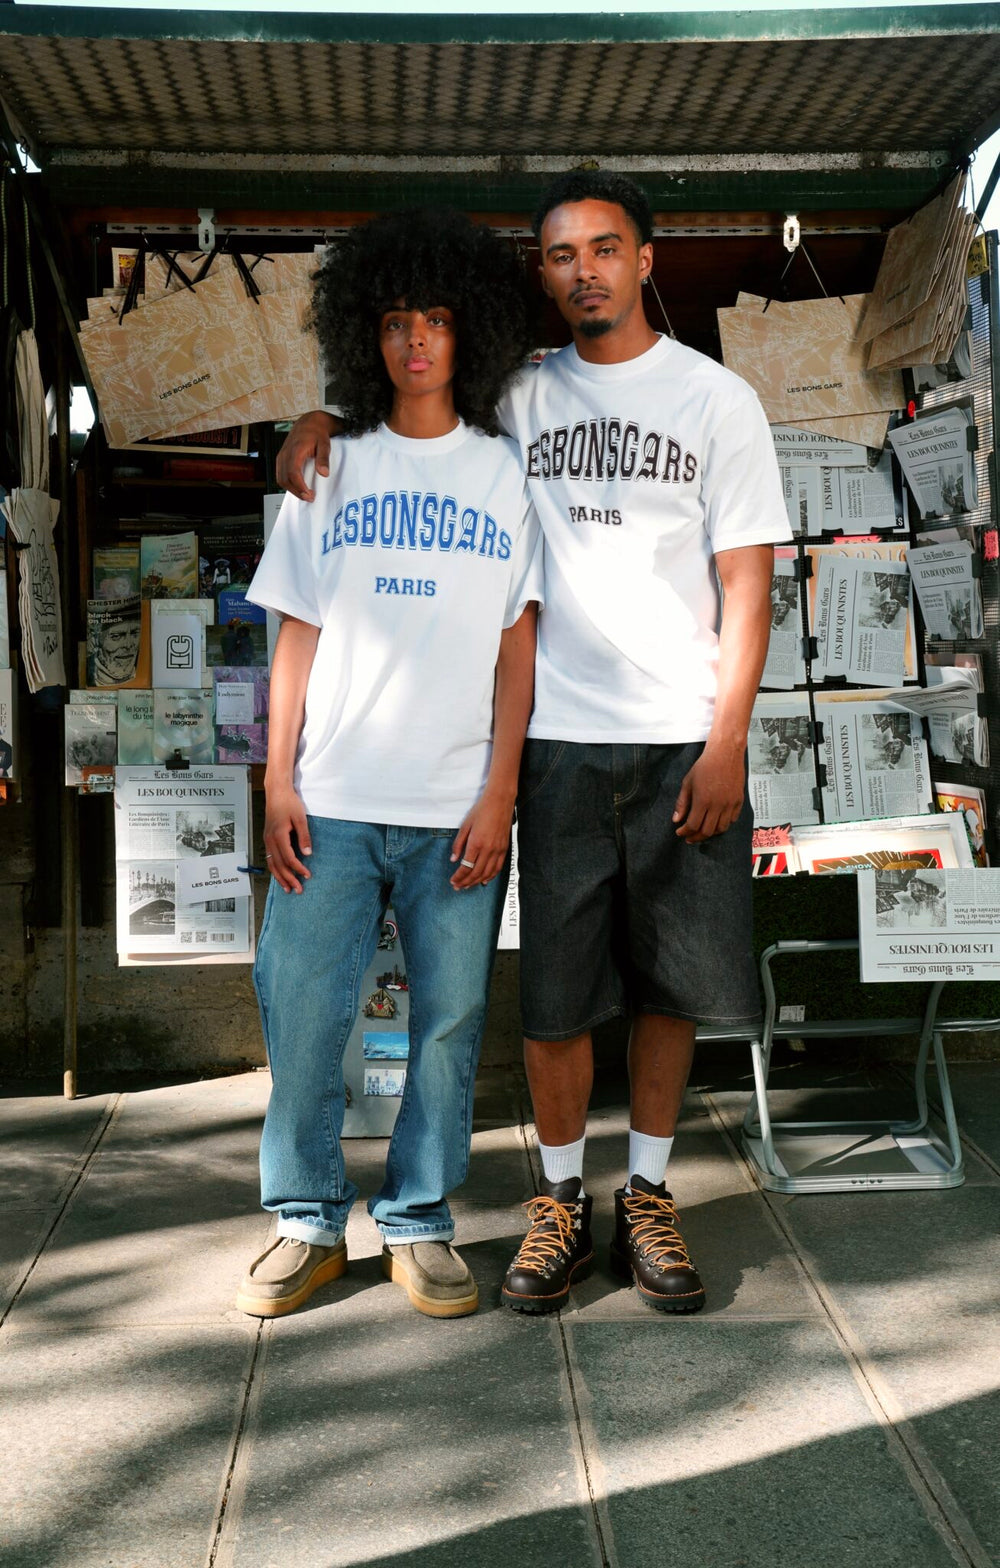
(314, 948)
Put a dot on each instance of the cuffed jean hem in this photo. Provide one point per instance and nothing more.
(312, 1232)
(406, 1235)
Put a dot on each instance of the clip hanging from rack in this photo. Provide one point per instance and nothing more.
(177, 763)
(206, 229)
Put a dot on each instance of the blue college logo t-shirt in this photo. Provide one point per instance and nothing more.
(412, 559)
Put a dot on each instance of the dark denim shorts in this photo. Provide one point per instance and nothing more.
(619, 915)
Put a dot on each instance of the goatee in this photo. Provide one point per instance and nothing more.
(594, 326)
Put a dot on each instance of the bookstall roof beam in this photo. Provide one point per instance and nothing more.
(873, 81)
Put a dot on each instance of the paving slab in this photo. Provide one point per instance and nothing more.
(916, 1277)
(122, 1442)
(22, 1232)
(839, 1103)
(415, 1441)
(742, 1445)
(166, 1219)
(43, 1138)
(740, 1254)
(975, 1088)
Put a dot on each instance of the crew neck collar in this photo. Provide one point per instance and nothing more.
(428, 446)
(622, 369)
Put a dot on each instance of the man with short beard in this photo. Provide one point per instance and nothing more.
(654, 477)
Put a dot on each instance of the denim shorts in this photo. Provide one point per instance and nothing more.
(618, 914)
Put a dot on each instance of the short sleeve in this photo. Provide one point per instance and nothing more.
(285, 581)
(741, 486)
(514, 399)
(527, 571)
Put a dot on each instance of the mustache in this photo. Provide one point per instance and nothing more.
(589, 289)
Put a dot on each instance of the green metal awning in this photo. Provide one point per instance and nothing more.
(866, 103)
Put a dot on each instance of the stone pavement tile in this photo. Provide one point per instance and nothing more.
(916, 1276)
(742, 1258)
(212, 1119)
(742, 1445)
(22, 1232)
(410, 1442)
(859, 1104)
(122, 1442)
(43, 1138)
(975, 1088)
(167, 1219)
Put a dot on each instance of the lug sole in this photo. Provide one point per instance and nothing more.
(430, 1306)
(254, 1307)
(542, 1304)
(621, 1266)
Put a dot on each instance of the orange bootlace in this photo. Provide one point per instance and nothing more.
(656, 1234)
(541, 1247)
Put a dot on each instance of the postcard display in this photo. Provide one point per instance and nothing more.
(875, 741)
(170, 713)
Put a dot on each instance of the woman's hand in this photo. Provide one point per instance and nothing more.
(481, 843)
(285, 829)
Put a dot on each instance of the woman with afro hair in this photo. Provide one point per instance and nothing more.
(401, 688)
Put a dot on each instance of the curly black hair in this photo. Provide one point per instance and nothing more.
(597, 185)
(424, 257)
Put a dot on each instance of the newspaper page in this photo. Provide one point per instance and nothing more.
(874, 553)
(949, 704)
(929, 925)
(786, 665)
(875, 759)
(806, 448)
(948, 593)
(782, 761)
(861, 620)
(937, 464)
(856, 499)
(162, 819)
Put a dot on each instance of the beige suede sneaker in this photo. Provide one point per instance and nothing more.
(434, 1277)
(286, 1274)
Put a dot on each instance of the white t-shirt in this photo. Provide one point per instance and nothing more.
(640, 472)
(411, 560)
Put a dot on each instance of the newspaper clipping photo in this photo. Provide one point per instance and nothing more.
(876, 761)
(782, 763)
(929, 925)
(947, 590)
(786, 665)
(861, 620)
(161, 819)
(937, 462)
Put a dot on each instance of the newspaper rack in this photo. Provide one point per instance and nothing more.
(850, 1156)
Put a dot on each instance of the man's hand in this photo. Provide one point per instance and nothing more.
(285, 816)
(483, 839)
(308, 438)
(711, 795)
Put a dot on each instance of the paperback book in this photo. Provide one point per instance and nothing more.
(169, 566)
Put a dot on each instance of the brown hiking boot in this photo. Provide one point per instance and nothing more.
(556, 1252)
(649, 1248)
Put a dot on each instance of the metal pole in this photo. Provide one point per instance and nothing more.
(70, 842)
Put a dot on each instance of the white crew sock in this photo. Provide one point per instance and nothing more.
(561, 1161)
(647, 1157)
